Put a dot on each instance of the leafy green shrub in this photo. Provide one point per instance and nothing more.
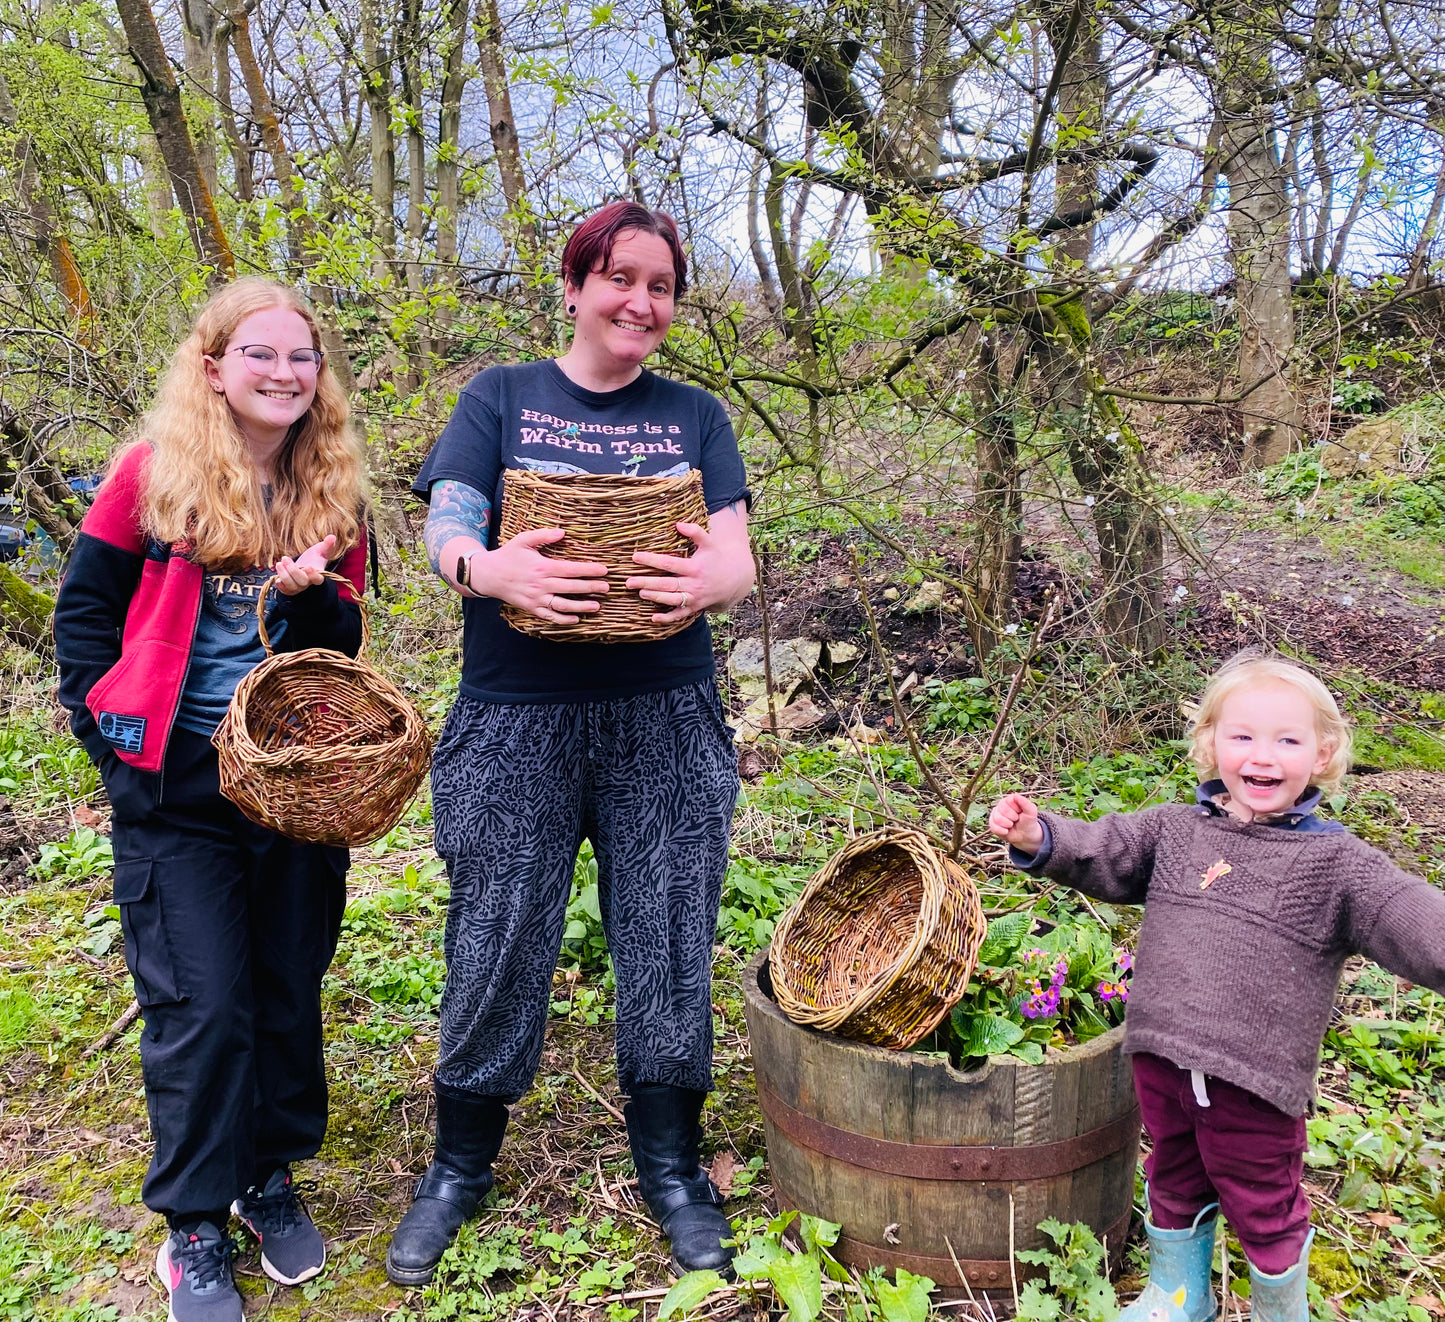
(957, 704)
(583, 941)
(1120, 782)
(1028, 992)
(1078, 1279)
(81, 855)
(754, 897)
(1296, 475)
(413, 980)
(1351, 396)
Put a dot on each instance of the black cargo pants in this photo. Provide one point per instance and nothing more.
(229, 929)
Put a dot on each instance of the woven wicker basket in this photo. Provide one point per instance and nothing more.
(607, 518)
(321, 747)
(881, 943)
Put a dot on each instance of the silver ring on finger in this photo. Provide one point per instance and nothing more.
(552, 602)
(684, 601)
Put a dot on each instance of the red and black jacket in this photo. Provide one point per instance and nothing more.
(125, 622)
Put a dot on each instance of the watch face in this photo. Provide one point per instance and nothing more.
(461, 571)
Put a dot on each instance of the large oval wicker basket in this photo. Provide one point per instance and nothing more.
(881, 943)
(320, 746)
(606, 517)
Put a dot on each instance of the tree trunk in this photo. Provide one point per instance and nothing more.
(376, 87)
(162, 97)
(1106, 460)
(25, 612)
(199, 28)
(519, 225)
(241, 164)
(1259, 240)
(449, 128)
(409, 50)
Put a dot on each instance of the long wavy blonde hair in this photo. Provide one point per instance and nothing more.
(202, 487)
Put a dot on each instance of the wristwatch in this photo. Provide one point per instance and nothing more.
(464, 568)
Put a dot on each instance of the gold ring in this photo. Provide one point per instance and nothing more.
(684, 601)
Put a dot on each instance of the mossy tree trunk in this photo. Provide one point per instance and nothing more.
(25, 611)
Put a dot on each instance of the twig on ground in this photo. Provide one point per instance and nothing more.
(112, 1034)
(597, 1096)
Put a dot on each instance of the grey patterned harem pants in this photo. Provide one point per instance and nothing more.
(651, 780)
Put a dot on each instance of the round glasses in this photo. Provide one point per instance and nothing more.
(261, 358)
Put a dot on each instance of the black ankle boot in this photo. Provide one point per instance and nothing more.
(469, 1136)
(662, 1124)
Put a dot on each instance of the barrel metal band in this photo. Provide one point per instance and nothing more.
(938, 1162)
(985, 1273)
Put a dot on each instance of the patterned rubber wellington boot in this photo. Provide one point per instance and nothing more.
(1179, 1288)
(1282, 1298)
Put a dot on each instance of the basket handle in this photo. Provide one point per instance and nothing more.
(325, 573)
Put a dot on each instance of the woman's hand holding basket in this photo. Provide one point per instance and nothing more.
(519, 574)
(718, 573)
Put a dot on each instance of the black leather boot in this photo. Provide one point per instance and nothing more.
(469, 1136)
(662, 1125)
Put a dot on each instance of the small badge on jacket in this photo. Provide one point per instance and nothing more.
(1213, 874)
(126, 733)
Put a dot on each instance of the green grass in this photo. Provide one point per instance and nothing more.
(1371, 540)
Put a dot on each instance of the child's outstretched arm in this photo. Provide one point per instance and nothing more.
(1398, 920)
(1110, 859)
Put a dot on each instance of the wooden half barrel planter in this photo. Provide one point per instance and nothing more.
(922, 1164)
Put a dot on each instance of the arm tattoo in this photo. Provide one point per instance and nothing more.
(457, 510)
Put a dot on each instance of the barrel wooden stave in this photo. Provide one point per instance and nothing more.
(810, 1083)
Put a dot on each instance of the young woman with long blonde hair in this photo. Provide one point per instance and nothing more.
(246, 467)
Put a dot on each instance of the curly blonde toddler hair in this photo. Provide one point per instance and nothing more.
(1252, 668)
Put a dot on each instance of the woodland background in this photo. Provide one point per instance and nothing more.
(1075, 343)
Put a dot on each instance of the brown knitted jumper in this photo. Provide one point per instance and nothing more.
(1237, 977)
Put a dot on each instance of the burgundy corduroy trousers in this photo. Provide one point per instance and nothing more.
(1239, 1151)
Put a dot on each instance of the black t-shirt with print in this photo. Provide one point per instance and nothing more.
(529, 415)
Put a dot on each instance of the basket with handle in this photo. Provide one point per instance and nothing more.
(321, 746)
(881, 943)
(606, 517)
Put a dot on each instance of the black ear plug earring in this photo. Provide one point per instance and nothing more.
(571, 309)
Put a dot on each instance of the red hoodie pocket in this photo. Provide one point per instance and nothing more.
(134, 700)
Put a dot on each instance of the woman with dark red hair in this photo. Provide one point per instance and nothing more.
(552, 742)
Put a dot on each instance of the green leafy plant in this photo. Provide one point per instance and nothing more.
(1351, 396)
(81, 855)
(1078, 1279)
(583, 941)
(797, 1277)
(1029, 992)
(957, 704)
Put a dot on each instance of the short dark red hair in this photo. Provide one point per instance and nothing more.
(590, 247)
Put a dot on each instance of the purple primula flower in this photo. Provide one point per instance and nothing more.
(1126, 962)
(1109, 991)
(1044, 1002)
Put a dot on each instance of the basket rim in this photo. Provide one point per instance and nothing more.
(916, 845)
(239, 735)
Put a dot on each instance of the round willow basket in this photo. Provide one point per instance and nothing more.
(881, 943)
(321, 747)
(606, 518)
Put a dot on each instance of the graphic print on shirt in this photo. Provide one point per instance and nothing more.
(544, 437)
(229, 600)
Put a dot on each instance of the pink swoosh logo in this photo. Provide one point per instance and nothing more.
(176, 1272)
